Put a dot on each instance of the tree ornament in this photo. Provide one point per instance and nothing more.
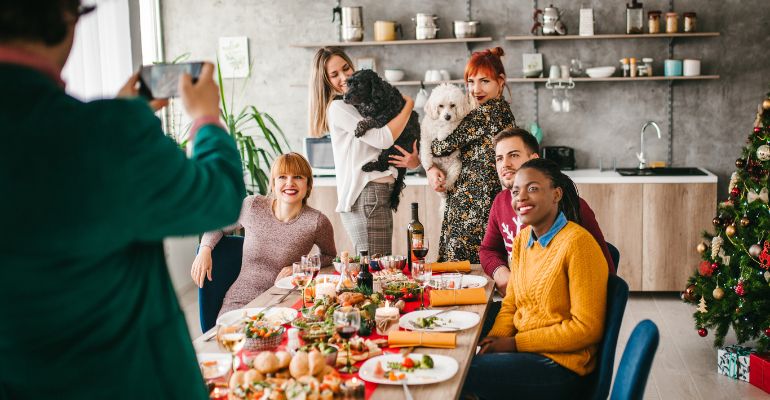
(702, 306)
(745, 221)
(730, 230)
(755, 250)
(764, 257)
(766, 104)
(757, 130)
(718, 293)
(767, 276)
(716, 221)
(734, 192)
(716, 246)
(689, 294)
(763, 152)
(767, 331)
(704, 268)
(762, 196)
(740, 163)
(701, 248)
(739, 289)
(703, 332)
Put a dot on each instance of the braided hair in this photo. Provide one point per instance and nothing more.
(570, 201)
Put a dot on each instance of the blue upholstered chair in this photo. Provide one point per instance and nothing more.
(634, 368)
(614, 254)
(600, 380)
(226, 265)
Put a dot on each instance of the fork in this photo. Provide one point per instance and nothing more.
(407, 393)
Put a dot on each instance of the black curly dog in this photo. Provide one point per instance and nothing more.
(379, 102)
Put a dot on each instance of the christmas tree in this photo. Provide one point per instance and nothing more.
(732, 283)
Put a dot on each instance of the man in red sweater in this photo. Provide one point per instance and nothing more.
(514, 147)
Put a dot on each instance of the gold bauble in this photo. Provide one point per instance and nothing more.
(701, 248)
(745, 221)
(730, 230)
(718, 293)
(766, 104)
(689, 294)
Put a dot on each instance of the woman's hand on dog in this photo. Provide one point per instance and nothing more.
(407, 159)
(437, 179)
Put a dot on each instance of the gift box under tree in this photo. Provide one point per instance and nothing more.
(733, 361)
(759, 375)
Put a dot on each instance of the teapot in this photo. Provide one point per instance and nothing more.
(551, 24)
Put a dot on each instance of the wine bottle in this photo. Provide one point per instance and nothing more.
(414, 231)
(365, 278)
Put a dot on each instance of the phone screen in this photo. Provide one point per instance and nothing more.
(161, 81)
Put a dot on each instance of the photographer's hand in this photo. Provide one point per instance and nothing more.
(200, 99)
(130, 90)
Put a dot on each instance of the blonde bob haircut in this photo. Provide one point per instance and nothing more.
(321, 91)
(292, 164)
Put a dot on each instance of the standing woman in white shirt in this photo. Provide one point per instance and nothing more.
(363, 197)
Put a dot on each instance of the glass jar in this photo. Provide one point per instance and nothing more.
(634, 17)
(632, 68)
(648, 65)
(653, 21)
(672, 22)
(624, 67)
(689, 22)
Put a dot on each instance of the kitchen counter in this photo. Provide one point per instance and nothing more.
(580, 176)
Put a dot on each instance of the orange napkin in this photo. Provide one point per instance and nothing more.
(451, 266)
(439, 340)
(458, 297)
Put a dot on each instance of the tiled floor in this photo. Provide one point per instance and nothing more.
(685, 363)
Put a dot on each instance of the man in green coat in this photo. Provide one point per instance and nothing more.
(87, 193)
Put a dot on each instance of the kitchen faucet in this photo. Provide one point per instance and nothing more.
(640, 156)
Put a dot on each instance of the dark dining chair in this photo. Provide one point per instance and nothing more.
(600, 380)
(634, 368)
(614, 254)
(225, 267)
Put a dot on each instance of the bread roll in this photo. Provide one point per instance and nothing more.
(316, 362)
(299, 365)
(252, 376)
(266, 362)
(236, 379)
(284, 359)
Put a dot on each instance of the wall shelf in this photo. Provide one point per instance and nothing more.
(391, 42)
(613, 36)
(620, 79)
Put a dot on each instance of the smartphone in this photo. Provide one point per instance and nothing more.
(161, 81)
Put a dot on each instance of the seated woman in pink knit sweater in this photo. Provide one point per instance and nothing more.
(279, 230)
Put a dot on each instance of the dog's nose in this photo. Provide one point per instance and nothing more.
(447, 117)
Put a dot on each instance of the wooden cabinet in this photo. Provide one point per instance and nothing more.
(655, 226)
(618, 209)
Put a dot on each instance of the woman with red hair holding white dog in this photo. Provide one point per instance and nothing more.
(468, 205)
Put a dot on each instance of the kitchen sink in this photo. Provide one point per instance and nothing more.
(667, 171)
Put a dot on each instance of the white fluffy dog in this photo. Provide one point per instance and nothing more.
(445, 108)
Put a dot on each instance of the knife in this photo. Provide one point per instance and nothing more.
(407, 393)
(280, 299)
(445, 311)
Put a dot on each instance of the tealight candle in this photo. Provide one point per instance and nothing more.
(386, 319)
(353, 389)
(325, 289)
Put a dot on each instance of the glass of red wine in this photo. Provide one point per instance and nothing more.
(313, 263)
(420, 247)
(346, 322)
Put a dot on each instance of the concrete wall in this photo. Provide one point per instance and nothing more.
(711, 118)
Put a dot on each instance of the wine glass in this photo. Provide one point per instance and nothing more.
(232, 337)
(422, 273)
(346, 322)
(420, 247)
(312, 263)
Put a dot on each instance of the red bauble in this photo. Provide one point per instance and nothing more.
(703, 332)
(739, 290)
(767, 331)
(764, 257)
(757, 129)
(735, 192)
(705, 269)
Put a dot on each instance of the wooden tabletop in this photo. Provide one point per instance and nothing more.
(463, 353)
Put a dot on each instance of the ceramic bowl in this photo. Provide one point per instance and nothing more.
(394, 75)
(600, 72)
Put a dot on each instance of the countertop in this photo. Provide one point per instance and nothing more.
(579, 176)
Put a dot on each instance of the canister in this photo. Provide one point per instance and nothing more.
(672, 67)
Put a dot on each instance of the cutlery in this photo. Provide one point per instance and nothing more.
(282, 298)
(445, 311)
(407, 393)
(454, 328)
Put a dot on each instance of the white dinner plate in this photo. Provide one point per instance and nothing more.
(285, 282)
(451, 321)
(278, 315)
(469, 281)
(444, 368)
(214, 365)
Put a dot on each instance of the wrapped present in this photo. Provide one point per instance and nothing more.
(733, 361)
(759, 375)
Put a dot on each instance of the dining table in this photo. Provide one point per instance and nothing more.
(465, 349)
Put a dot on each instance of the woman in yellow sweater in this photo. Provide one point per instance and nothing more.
(545, 338)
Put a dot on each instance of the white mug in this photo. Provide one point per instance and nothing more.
(555, 72)
(691, 68)
(445, 75)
